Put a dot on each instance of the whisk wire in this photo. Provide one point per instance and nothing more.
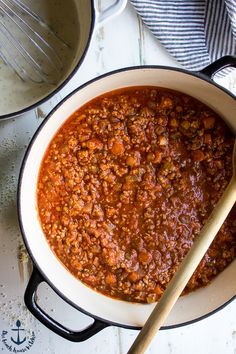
(30, 36)
(33, 31)
(22, 51)
(25, 8)
(25, 45)
(8, 60)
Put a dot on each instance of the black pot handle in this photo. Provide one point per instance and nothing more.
(43, 317)
(219, 64)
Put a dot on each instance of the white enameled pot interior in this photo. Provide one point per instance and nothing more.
(189, 307)
(19, 95)
(84, 10)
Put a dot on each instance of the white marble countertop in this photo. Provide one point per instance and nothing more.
(120, 43)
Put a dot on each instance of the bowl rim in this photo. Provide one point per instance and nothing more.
(24, 161)
(65, 81)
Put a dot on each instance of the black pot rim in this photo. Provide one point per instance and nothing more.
(64, 82)
(24, 161)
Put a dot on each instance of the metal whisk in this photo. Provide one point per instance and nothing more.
(28, 45)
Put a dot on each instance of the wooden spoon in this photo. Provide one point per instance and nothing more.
(188, 266)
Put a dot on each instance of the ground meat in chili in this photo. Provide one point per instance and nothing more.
(127, 184)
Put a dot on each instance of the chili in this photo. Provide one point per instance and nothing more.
(126, 185)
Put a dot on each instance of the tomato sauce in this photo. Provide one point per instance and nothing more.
(126, 185)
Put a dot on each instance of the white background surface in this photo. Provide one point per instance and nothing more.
(122, 42)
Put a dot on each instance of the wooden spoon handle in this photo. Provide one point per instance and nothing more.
(186, 269)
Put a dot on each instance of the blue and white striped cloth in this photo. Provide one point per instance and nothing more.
(195, 32)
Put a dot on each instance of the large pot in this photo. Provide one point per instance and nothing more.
(103, 309)
(90, 18)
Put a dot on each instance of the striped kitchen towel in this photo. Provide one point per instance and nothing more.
(195, 32)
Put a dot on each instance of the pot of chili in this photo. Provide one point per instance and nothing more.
(114, 187)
